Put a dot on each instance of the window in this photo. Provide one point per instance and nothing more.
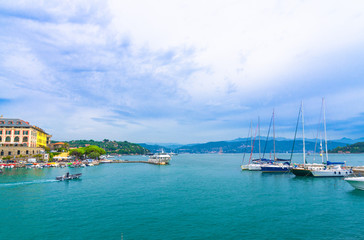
(2, 122)
(16, 139)
(16, 132)
(1, 138)
(26, 152)
(18, 123)
(25, 139)
(1, 131)
(25, 132)
(7, 139)
(2, 153)
(10, 122)
(8, 132)
(9, 153)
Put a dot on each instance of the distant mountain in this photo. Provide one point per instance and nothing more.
(265, 146)
(155, 148)
(165, 145)
(240, 145)
(349, 140)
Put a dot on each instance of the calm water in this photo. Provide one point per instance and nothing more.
(196, 197)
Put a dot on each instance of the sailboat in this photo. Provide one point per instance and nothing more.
(332, 169)
(254, 165)
(257, 163)
(305, 169)
(277, 165)
(246, 166)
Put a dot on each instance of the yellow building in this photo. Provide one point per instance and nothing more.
(42, 137)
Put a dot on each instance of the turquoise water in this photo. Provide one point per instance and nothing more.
(196, 197)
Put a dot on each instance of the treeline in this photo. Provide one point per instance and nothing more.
(116, 147)
(353, 148)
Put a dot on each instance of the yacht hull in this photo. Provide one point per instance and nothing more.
(356, 182)
(254, 167)
(331, 173)
(244, 167)
(301, 172)
(276, 169)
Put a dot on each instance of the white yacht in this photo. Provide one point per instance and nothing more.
(244, 167)
(332, 171)
(160, 158)
(255, 166)
(356, 182)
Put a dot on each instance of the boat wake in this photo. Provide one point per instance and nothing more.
(26, 183)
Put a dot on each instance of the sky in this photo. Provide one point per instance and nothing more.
(174, 71)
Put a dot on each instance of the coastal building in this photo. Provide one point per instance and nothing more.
(18, 137)
(57, 145)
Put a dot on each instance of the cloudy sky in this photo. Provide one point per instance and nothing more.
(181, 71)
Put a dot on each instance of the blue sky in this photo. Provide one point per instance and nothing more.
(181, 71)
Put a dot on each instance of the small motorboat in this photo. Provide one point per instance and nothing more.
(69, 176)
(1, 171)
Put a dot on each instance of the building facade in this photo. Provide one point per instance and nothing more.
(17, 135)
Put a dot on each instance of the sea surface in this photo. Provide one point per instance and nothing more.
(198, 196)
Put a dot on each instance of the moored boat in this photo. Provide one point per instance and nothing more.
(356, 182)
(333, 169)
(305, 170)
(160, 158)
(276, 168)
(244, 167)
(255, 167)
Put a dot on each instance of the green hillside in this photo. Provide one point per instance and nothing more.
(353, 148)
(110, 147)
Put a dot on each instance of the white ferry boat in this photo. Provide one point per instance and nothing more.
(160, 158)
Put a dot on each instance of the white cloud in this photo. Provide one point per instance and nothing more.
(182, 65)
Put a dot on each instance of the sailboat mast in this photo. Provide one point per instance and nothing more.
(259, 136)
(274, 139)
(246, 142)
(321, 151)
(303, 135)
(251, 153)
(251, 134)
(323, 106)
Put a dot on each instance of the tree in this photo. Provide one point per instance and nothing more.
(94, 155)
(78, 152)
(66, 146)
(93, 148)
